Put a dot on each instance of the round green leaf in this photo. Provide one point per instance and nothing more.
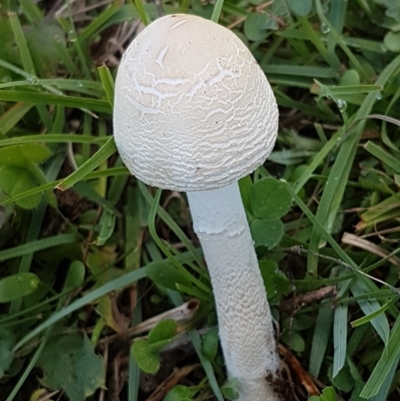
(230, 389)
(83, 371)
(349, 78)
(147, 359)
(209, 345)
(7, 341)
(299, 322)
(298, 172)
(25, 154)
(18, 286)
(267, 232)
(275, 281)
(163, 331)
(16, 180)
(179, 393)
(167, 275)
(75, 276)
(255, 26)
(282, 283)
(201, 9)
(268, 268)
(343, 380)
(293, 340)
(328, 394)
(300, 7)
(392, 41)
(270, 199)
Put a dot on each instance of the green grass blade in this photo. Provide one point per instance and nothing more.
(107, 150)
(76, 42)
(31, 11)
(166, 218)
(322, 333)
(383, 156)
(97, 105)
(12, 117)
(75, 85)
(26, 260)
(382, 394)
(330, 58)
(356, 338)
(22, 44)
(319, 158)
(339, 41)
(339, 338)
(166, 250)
(133, 229)
(108, 83)
(336, 184)
(31, 192)
(142, 13)
(88, 192)
(113, 285)
(96, 25)
(217, 11)
(388, 361)
(340, 328)
(35, 226)
(337, 14)
(17, 70)
(380, 323)
(27, 62)
(38, 245)
(54, 138)
(22, 379)
(196, 341)
(111, 172)
(347, 90)
(134, 370)
(368, 318)
(207, 366)
(300, 70)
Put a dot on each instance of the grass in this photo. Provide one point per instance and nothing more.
(89, 247)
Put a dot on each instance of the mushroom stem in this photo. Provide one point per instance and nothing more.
(245, 321)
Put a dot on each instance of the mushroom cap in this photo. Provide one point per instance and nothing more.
(193, 110)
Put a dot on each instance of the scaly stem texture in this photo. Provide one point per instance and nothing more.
(245, 321)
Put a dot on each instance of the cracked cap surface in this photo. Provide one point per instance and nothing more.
(193, 110)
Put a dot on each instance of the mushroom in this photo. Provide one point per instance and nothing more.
(194, 112)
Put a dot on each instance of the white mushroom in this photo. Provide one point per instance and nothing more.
(195, 113)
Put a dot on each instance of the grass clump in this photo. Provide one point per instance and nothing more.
(92, 259)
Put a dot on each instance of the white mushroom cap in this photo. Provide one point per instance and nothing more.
(193, 110)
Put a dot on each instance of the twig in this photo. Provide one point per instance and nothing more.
(170, 382)
(180, 314)
(380, 233)
(304, 299)
(297, 370)
(351, 239)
